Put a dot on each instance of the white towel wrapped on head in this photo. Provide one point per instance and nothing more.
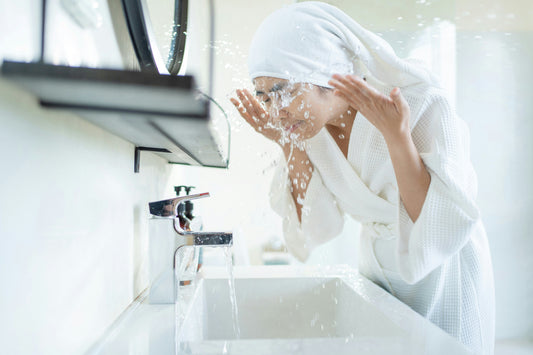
(308, 42)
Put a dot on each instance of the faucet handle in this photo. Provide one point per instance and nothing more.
(169, 208)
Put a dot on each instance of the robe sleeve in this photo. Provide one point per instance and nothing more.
(322, 219)
(449, 212)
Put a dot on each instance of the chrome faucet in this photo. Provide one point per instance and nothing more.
(166, 243)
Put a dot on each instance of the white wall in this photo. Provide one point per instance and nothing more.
(495, 100)
(73, 214)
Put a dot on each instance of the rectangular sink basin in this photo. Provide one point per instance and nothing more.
(281, 310)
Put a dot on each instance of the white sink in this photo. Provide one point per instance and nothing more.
(282, 310)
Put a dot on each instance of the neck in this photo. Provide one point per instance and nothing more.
(341, 128)
(343, 121)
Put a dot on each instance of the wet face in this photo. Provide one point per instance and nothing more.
(300, 109)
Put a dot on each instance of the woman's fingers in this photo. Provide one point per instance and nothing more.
(358, 92)
(239, 107)
(244, 113)
(250, 109)
(257, 108)
(399, 101)
(349, 94)
(245, 102)
(353, 103)
(356, 87)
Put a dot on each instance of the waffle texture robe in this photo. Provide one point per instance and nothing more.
(440, 265)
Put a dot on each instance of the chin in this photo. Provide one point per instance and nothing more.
(310, 134)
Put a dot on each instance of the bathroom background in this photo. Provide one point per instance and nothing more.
(73, 215)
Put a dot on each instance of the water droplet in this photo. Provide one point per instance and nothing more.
(295, 182)
(343, 125)
(341, 136)
(306, 114)
(303, 185)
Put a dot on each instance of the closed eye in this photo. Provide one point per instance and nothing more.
(262, 95)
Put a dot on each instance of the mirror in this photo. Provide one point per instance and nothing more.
(159, 48)
(170, 31)
(165, 33)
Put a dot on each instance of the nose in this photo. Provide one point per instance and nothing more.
(277, 113)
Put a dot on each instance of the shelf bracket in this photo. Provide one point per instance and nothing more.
(137, 155)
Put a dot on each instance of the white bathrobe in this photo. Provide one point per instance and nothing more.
(440, 265)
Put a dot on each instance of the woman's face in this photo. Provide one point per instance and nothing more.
(300, 109)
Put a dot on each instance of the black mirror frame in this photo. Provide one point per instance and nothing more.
(134, 11)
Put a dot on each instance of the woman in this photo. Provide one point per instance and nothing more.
(374, 136)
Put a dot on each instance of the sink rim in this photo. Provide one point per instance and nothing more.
(127, 325)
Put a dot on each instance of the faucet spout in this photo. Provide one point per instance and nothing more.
(168, 209)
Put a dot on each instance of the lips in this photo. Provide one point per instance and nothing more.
(293, 127)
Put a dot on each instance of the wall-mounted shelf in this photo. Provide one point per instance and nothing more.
(160, 113)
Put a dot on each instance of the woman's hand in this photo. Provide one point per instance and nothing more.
(256, 115)
(390, 115)
(299, 166)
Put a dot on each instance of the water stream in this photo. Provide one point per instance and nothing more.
(233, 299)
(185, 294)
